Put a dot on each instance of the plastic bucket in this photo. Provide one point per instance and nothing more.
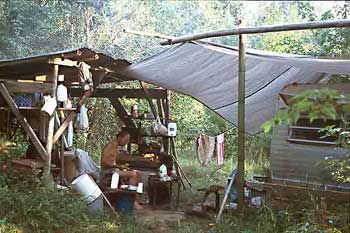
(86, 186)
(96, 206)
(125, 203)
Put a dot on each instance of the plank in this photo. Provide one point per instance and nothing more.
(28, 87)
(63, 62)
(149, 99)
(28, 163)
(23, 121)
(122, 113)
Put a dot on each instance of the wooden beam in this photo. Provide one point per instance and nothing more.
(27, 87)
(122, 113)
(121, 93)
(63, 126)
(161, 110)
(53, 77)
(149, 99)
(63, 62)
(23, 121)
(75, 64)
(70, 117)
(167, 117)
(62, 147)
(261, 29)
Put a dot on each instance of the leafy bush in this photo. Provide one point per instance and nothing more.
(5, 148)
(28, 205)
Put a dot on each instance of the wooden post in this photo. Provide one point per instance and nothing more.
(49, 142)
(62, 151)
(167, 116)
(241, 123)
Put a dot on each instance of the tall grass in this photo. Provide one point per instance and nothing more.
(296, 218)
(28, 206)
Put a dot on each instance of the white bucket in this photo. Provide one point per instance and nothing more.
(50, 105)
(87, 187)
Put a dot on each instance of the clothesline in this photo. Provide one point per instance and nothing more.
(195, 135)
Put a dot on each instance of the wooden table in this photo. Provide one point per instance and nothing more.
(156, 180)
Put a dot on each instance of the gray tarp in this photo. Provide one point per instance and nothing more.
(209, 73)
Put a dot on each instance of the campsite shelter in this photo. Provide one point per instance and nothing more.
(205, 71)
(84, 72)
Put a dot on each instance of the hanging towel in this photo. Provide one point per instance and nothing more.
(220, 149)
(205, 149)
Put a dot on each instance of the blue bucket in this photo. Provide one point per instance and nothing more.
(125, 203)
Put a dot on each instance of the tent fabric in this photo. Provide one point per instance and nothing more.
(209, 73)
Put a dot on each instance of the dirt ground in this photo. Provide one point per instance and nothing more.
(160, 220)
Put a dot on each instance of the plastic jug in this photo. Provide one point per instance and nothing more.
(115, 181)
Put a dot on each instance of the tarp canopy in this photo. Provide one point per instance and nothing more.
(209, 73)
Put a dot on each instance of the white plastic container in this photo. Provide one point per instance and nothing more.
(62, 94)
(172, 128)
(50, 105)
(86, 186)
(139, 188)
(115, 181)
(162, 170)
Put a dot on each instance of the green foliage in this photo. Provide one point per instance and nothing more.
(32, 207)
(316, 104)
(5, 147)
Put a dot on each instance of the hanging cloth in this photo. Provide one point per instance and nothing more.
(220, 149)
(85, 76)
(68, 104)
(205, 149)
(82, 122)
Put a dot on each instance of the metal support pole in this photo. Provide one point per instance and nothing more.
(241, 123)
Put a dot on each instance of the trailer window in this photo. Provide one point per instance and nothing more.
(306, 132)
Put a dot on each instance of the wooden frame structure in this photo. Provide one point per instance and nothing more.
(40, 74)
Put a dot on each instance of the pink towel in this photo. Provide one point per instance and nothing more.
(220, 149)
